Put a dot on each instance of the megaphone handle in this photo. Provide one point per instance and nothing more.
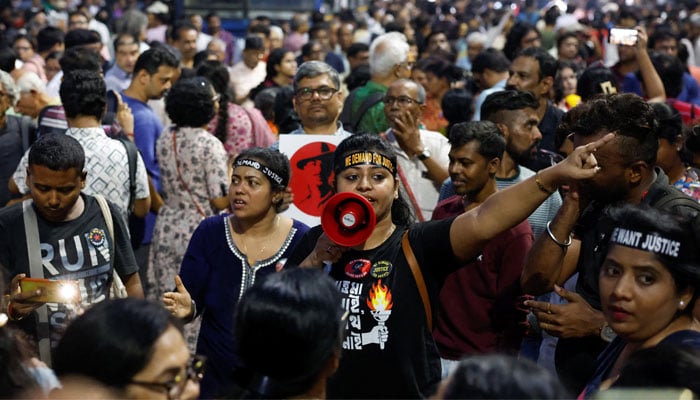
(327, 265)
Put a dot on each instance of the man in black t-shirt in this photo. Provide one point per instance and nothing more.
(576, 239)
(75, 241)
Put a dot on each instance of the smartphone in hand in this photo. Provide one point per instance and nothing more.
(59, 291)
(626, 37)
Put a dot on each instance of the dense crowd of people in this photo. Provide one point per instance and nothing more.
(532, 169)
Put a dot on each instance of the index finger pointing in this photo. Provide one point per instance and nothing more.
(593, 146)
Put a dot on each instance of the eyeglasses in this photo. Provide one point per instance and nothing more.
(403, 101)
(194, 371)
(22, 48)
(324, 93)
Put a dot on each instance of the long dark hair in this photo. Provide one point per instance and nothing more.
(400, 211)
(218, 75)
(274, 59)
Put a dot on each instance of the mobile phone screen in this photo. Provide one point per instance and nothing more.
(62, 291)
(627, 37)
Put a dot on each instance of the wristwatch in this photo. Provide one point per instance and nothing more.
(424, 155)
(607, 333)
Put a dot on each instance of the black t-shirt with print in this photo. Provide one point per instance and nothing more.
(388, 351)
(75, 250)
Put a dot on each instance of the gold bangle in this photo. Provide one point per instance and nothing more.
(541, 186)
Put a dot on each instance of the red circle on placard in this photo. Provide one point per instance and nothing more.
(312, 177)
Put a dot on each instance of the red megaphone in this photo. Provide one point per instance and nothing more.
(348, 219)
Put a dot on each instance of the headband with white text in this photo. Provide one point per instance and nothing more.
(270, 174)
(654, 242)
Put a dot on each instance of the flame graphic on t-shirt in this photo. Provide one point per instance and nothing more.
(379, 297)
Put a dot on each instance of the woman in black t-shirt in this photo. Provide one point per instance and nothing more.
(389, 350)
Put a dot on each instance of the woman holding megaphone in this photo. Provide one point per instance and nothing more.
(389, 281)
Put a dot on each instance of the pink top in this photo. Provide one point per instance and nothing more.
(36, 65)
(245, 128)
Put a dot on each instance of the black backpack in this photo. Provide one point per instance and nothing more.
(137, 225)
(20, 133)
(674, 201)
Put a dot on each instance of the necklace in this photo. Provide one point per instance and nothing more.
(238, 238)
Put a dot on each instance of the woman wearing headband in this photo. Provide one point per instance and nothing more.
(229, 253)
(648, 283)
(389, 350)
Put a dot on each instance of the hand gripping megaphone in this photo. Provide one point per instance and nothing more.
(348, 219)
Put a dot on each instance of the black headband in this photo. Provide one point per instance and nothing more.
(368, 157)
(270, 174)
(661, 244)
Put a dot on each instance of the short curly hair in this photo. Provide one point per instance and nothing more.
(190, 102)
(83, 92)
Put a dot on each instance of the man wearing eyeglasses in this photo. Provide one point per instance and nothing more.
(317, 100)
(422, 155)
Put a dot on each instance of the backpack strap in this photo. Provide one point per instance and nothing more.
(132, 156)
(369, 102)
(668, 197)
(31, 232)
(352, 120)
(117, 289)
(345, 116)
(28, 134)
(106, 214)
(418, 276)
